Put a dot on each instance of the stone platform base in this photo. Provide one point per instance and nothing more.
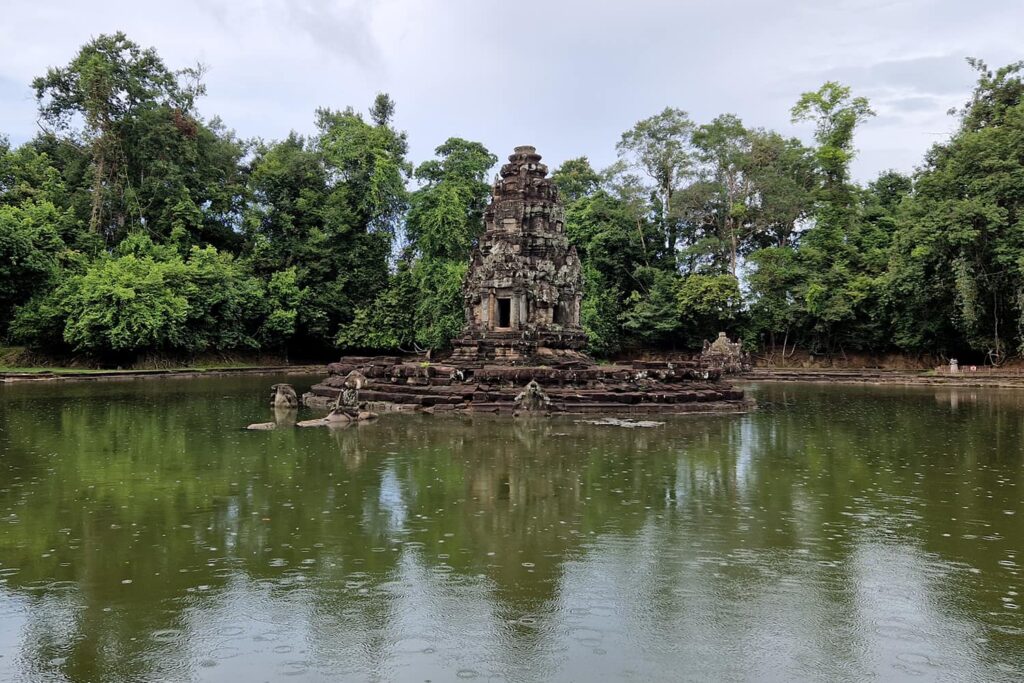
(570, 386)
(520, 347)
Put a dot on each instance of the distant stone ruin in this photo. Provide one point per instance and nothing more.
(725, 355)
(522, 348)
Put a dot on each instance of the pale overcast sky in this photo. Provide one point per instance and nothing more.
(565, 75)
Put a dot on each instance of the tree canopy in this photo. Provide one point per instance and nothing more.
(132, 226)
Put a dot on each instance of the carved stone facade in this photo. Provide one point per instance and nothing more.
(523, 289)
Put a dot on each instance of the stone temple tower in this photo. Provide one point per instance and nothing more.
(523, 289)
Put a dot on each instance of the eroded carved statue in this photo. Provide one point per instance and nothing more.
(348, 399)
(284, 396)
(532, 399)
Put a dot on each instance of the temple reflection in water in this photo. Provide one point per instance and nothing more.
(138, 540)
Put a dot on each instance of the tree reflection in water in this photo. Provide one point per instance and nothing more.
(835, 532)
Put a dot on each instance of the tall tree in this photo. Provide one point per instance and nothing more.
(784, 177)
(660, 147)
(956, 279)
(138, 121)
(444, 222)
(576, 179)
(835, 114)
(837, 292)
(724, 147)
(607, 219)
(330, 207)
(446, 213)
(422, 306)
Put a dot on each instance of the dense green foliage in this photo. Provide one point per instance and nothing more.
(131, 226)
(721, 227)
(423, 308)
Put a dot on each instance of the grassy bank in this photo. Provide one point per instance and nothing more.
(1012, 377)
(18, 364)
(43, 374)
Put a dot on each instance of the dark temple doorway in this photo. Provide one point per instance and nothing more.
(504, 312)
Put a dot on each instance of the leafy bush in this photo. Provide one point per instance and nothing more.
(148, 298)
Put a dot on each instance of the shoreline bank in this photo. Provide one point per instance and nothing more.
(80, 375)
(966, 378)
(1009, 380)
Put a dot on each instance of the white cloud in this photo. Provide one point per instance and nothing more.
(567, 76)
(340, 29)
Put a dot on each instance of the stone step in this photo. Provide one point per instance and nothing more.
(401, 393)
(397, 387)
(403, 397)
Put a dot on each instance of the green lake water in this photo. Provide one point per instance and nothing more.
(836, 533)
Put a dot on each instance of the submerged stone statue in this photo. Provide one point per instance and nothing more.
(532, 399)
(524, 285)
(347, 408)
(284, 396)
(285, 403)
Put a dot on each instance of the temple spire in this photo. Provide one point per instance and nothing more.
(524, 285)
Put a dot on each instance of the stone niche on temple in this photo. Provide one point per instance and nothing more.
(524, 285)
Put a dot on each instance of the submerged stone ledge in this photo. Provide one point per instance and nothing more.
(642, 387)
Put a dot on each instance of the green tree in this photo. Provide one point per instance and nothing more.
(446, 213)
(125, 306)
(608, 238)
(153, 164)
(840, 254)
(835, 114)
(956, 280)
(775, 308)
(147, 298)
(708, 304)
(601, 314)
(284, 299)
(440, 313)
(329, 208)
(422, 307)
(576, 179)
(30, 253)
(608, 222)
(366, 164)
(660, 147)
(389, 321)
(784, 176)
(724, 147)
(652, 313)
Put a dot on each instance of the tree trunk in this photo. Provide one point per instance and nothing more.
(97, 189)
(670, 228)
(732, 237)
(643, 242)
